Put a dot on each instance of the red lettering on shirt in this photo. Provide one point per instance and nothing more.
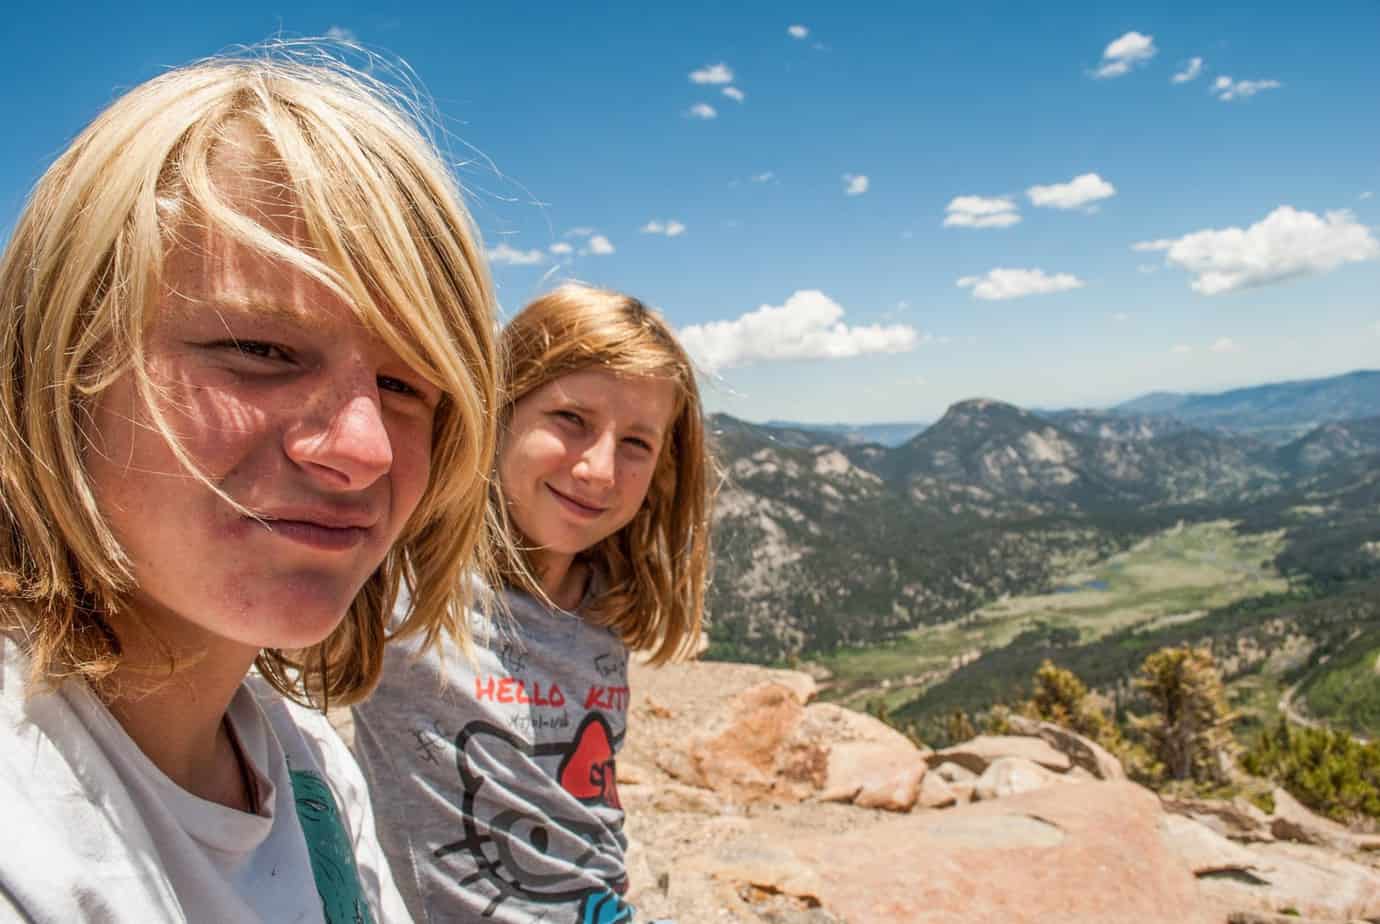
(522, 697)
(483, 688)
(606, 698)
(505, 690)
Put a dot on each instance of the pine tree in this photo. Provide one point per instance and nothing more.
(1062, 698)
(1188, 731)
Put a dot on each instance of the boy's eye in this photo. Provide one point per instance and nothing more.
(259, 349)
(388, 383)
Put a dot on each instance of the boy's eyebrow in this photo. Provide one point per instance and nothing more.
(255, 305)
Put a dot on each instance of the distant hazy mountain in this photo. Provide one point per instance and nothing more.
(1280, 411)
(885, 434)
(1329, 444)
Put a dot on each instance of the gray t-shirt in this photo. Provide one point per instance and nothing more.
(493, 785)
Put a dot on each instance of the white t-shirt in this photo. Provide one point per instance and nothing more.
(91, 830)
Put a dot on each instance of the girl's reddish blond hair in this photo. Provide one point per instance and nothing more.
(655, 569)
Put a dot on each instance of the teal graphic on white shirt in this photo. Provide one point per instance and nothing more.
(332, 859)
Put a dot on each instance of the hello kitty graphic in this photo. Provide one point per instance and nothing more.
(562, 855)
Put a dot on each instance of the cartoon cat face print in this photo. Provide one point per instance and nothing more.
(527, 840)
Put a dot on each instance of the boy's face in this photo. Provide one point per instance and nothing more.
(288, 406)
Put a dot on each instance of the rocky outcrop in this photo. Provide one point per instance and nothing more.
(748, 803)
(979, 753)
(1011, 776)
(1083, 752)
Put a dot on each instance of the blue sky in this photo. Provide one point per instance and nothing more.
(1051, 138)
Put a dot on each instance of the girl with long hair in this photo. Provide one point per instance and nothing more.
(494, 778)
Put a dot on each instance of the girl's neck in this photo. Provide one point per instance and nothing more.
(562, 578)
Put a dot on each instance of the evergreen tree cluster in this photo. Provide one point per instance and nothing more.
(1328, 771)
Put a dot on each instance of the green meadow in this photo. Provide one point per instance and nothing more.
(1175, 575)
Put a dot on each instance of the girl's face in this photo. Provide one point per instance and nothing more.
(578, 456)
(290, 407)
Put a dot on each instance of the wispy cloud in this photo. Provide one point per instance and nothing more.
(1285, 244)
(981, 212)
(1076, 193)
(766, 176)
(1000, 284)
(598, 245)
(734, 94)
(1181, 348)
(1376, 328)
(1226, 89)
(1225, 345)
(579, 232)
(855, 184)
(561, 248)
(1192, 69)
(341, 34)
(671, 228)
(702, 111)
(713, 73)
(809, 325)
(1365, 195)
(504, 253)
(1121, 317)
(797, 32)
(1120, 56)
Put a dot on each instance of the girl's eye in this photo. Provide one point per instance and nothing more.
(640, 444)
(569, 417)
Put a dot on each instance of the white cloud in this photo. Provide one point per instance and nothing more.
(714, 73)
(503, 253)
(560, 248)
(1181, 348)
(1000, 284)
(734, 94)
(981, 212)
(808, 326)
(1284, 244)
(1125, 53)
(855, 184)
(670, 228)
(765, 177)
(797, 32)
(1365, 195)
(702, 111)
(1191, 70)
(1225, 345)
(1226, 89)
(599, 246)
(1076, 193)
(341, 34)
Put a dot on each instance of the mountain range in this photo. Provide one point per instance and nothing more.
(825, 541)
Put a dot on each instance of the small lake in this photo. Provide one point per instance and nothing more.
(1076, 588)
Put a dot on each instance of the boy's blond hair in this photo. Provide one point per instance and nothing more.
(385, 230)
(655, 569)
